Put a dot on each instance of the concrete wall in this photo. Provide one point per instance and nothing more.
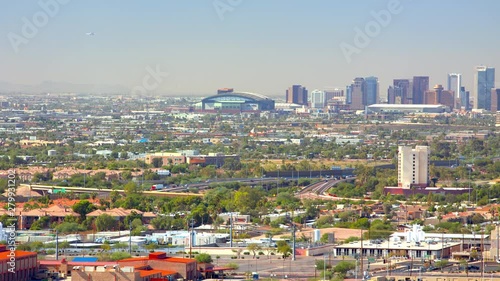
(77, 275)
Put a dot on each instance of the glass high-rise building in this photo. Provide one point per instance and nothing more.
(484, 81)
(370, 96)
(348, 94)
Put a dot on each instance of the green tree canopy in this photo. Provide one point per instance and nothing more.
(83, 208)
(105, 222)
(203, 258)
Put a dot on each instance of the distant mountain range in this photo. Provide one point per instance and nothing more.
(61, 87)
(66, 87)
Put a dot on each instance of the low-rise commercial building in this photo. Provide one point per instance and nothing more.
(17, 265)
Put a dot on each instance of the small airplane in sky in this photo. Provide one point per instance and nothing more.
(90, 33)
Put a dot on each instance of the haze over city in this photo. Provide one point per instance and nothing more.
(259, 46)
(249, 140)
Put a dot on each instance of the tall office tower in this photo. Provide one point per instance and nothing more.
(439, 90)
(420, 85)
(317, 99)
(495, 99)
(371, 95)
(402, 91)
(413, 166)
(440, 96)
(431, 97)
(348, 94)
(334, 93)
(357, 91)
(455, 84)
(296, 94)
(464, 98)
(464, 101)
(448, 98)
(390, 95)
(484, 81)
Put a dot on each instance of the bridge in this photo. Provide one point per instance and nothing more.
(77, 189)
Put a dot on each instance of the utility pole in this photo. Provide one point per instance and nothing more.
(278, 183)
(324, 267)
(482, 254)
(293, 241)
(191, 238)
(498, 244)
(469, 186)
(57, 245)
(387, 256)
(231, 230)
(361, 255)
(130, 240)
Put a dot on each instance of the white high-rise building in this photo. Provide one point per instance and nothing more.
(455, 83)
(317, 99)
(413, 166)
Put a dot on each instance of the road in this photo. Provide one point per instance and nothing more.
(301, 267)
(76, 189)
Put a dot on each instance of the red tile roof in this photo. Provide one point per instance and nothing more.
(134, 259)
(179, 260)
(144, 273)
(51, 262)
(94, 263)
(167, 259)
(19, 254)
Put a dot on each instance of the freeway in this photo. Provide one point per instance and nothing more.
(170, 192)
(321, 187)
(77, 189)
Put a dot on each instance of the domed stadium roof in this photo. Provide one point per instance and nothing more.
(245, 95)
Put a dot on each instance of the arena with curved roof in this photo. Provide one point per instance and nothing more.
(230, 101)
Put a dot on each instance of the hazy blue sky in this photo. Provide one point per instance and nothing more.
(257, 45)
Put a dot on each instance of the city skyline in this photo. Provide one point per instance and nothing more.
(200, 48)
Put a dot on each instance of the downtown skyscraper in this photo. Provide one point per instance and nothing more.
(371, 96)
(484, 81)
(363, 92)
(455, 85)
(420, 86)
(296, 94)
(401, 92)
(357, 91)
(317, 99)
